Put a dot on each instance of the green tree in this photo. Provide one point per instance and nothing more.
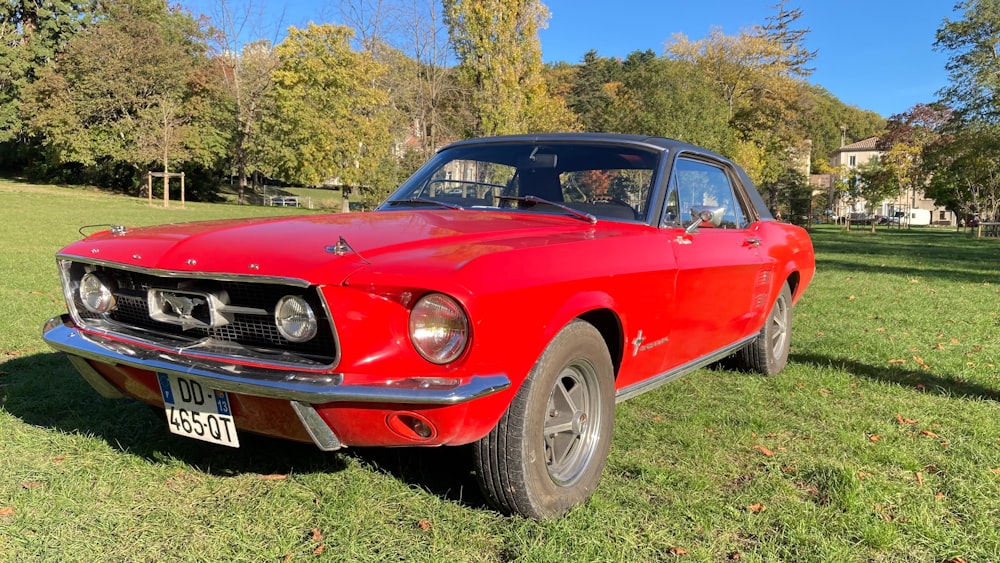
(32, 33)
(593, 92)
(118, 91)
(877, 181)
(669, 98)
(328, 122)
(966, 174)
(751, 72)
(828, 122)
(500, 64)
(973, 43)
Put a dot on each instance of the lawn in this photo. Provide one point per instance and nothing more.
(879, 442)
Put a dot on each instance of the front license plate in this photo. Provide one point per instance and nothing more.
(196, 411)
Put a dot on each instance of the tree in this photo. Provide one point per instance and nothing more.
(966, 176)
(973, 67)
(500, 64)
(328, 122)
(32, 33)
(664, 97)
(752, 73)
(593, 92)
(410, 38)
(779, 30)
(243, 75)
(877, 181)
(117, 92)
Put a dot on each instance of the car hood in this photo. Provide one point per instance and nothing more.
(326, 249)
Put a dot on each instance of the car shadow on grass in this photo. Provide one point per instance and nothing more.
(44, 390)
(952, 386)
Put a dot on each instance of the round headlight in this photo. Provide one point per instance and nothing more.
(96, 295)
(439, 328)
(295, 319)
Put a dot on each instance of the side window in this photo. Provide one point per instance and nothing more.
(702, 184)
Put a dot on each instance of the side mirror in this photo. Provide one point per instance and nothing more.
(704, 215)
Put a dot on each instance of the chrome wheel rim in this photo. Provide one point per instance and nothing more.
(779, 327)
(572, 423)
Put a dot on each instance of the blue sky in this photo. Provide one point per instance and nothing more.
(874, 54)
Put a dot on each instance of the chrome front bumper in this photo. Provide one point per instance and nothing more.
(303, 389)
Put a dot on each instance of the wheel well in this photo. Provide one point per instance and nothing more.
(793, 282)
(607, 323)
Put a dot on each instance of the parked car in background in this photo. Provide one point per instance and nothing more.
(508, 295)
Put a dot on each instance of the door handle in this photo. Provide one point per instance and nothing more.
(751, 241)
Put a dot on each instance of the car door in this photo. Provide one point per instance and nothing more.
(721, 271)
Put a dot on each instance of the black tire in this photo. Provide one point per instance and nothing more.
(548, 451)
(767, 354)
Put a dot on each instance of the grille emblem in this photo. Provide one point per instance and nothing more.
(184, 308)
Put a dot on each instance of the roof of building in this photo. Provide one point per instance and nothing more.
(869, 144)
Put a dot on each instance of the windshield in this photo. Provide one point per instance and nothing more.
(608, 181)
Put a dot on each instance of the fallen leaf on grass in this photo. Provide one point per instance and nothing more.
(956, 560)
(757, 508)
(920, 479)
(939, 346)
(763, 450)
(735, 556)
(928, 433)
(995, 471)
(31, 484)
(424, 524)
(901, 420)
(273, 477)
(319, 549)
(316, 535)
(938, 495)
(897, 361)
(677, 551)
(851, 298)
(59, 459)
(6, 511)
(874, 438)
(825, 391)
(862, 475)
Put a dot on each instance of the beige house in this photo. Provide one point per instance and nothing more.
(910, 206)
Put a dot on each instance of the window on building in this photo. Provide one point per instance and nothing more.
(942, 215)
(852, 160)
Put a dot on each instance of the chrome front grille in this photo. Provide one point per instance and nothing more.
(249, 332)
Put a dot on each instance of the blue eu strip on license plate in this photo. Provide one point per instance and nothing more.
(196, 411)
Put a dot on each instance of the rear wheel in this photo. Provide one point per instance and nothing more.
(547, 452)
(767, 354)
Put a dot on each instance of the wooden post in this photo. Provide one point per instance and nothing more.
(182, 190)
(149, 187)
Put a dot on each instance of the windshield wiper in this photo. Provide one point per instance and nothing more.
(536, 200)
(429, 201)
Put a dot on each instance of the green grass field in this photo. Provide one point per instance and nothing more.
(879, 442)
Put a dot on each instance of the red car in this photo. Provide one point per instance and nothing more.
(507, 295)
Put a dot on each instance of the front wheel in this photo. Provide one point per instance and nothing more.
(547, 452)
(767, 354)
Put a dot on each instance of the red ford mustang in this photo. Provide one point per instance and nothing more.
(507, 295)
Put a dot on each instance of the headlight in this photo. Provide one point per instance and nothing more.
(96, 295)
(439, 328)
(295, 319)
